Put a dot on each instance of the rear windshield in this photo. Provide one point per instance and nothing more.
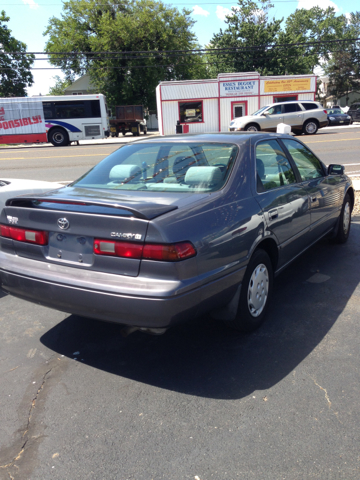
(164, 167)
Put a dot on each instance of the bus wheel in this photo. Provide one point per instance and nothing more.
(58, 137)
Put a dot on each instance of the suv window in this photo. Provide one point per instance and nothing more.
(309, 106)
(272, 167)
(308, 165)
(275, 110)
(354, 106)
(291, 107)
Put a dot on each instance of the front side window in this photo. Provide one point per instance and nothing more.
(164, 167)
(275, 110)
(308, 165)
(272, 167)
(191, 112)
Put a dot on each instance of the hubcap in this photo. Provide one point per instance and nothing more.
(58, 137)
(252, 129)
(311, 127)
(346, 218)
(258, 290)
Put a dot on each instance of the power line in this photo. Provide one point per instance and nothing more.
(192, 51)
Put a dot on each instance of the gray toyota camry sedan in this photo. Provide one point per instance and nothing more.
(169, 228)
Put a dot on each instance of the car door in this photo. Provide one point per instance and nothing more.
(282, 199)
(273, 116)
(325, 191)
(293, 115)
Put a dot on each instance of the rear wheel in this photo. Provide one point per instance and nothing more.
(344, 221)
(59, 137)
(256, 290)
(310, 127)
(252, 128)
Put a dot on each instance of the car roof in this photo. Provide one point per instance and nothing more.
(293, 101)
(238, 138)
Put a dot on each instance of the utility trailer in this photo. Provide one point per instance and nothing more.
(128, 118)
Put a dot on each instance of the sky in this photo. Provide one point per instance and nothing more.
(29, 19)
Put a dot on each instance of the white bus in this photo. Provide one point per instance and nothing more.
(56, 119)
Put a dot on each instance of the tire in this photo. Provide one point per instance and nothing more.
(252, 127)
(252, 308)
(310, 127)
(59, 137)
(344, 221)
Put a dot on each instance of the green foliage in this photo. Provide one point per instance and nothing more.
(60, 85)
(122, 26)
(15, 74)
(247, 29)
(343, 68)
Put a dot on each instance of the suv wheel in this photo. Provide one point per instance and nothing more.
(310, 127)
(252, 127)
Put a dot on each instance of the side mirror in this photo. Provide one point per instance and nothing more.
(265, 114)
(336, 169)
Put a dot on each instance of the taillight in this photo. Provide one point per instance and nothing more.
(169, 253)
(25, 235)
(166, 253)
(325, 111)
(118, 249)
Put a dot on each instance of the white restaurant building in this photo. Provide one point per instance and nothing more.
(210, 105)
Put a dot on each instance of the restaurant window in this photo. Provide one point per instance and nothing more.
(191, 112)
(284, 98)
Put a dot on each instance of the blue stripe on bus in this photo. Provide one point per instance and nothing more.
(64, 124)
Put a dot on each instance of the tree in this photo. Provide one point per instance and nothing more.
(60, 85)
(120, 30)
(15, 74)
(343, 68)
(248, 29)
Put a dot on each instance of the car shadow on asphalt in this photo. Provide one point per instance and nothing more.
(204, 357)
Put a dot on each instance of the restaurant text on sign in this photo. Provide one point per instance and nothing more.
(238, 88)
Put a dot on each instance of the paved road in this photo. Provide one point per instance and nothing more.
(80, 402)
(333, 145)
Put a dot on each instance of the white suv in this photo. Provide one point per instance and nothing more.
(303, 117)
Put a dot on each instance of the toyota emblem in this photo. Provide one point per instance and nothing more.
(63, 223)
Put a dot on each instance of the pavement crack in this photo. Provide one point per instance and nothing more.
(324, 390)
(27, 428)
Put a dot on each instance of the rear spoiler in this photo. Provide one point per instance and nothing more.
(144, 211)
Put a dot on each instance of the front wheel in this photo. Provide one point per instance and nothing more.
(256, 290)
(59, 137)
(344, 221)
(310, 127)
(252, 128)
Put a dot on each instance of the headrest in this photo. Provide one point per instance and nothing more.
(125, 173)
(181, 165)
(206, 175)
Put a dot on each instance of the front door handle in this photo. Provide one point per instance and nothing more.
(273, 214)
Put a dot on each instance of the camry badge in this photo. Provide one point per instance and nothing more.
(63, 223)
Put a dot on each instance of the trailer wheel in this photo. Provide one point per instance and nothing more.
(59, 137)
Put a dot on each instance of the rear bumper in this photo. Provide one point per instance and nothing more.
(323, 124)
(97, 295)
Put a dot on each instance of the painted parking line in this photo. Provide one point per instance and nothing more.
(337, 140)
(47, 158)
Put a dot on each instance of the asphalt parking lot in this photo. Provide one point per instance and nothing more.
(80, 401)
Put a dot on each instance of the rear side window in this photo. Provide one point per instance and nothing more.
(308, 165)
(272, 167)
(291, 107)
(309, 106)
